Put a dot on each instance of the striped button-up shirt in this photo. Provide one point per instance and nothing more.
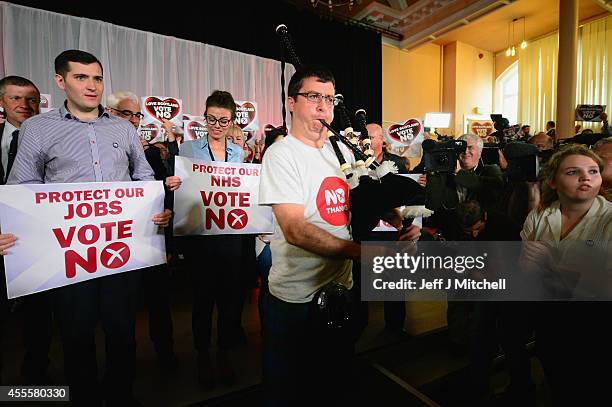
(57, 147)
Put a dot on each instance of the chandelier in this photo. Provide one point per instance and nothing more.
(332, 4)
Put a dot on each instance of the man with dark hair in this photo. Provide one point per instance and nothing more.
(525, 130)
(477, 223)
(106, 148)
(63, 61)
(306, 362)
(311, 247)
(322, 74)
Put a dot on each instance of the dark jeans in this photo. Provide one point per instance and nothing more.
(156, 283)
(37, 336)
(112, 300)
(303, 364)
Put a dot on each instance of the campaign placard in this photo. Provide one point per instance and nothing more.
(156, 109)
(68, 233)
(194, 129)
(247, 119)
(45, 102)
(219, 198)
(400, 136)
(481, 128)
(589, 113)
(151, 132)
(404, 133)
(246, 116)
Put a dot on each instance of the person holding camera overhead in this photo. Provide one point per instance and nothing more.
(471, 180)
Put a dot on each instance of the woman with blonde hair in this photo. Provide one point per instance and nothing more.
(567, 239)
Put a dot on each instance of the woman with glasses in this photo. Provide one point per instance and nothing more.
(217, 263)
(566, 242)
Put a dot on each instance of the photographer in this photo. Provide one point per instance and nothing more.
(471, 180)
(492, 323)
(526, 162)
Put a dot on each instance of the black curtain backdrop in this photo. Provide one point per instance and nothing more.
(352, 53)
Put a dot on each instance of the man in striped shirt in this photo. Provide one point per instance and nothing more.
(81, 142)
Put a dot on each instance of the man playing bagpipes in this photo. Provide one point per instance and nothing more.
(312, 248)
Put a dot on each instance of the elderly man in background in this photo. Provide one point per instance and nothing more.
(156, 279)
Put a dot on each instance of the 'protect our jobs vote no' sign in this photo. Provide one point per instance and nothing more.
(68, 233)
(219, 198)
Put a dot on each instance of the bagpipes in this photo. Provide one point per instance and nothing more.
(375, 189)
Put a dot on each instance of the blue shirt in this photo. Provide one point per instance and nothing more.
(57, 147)
(198, 149)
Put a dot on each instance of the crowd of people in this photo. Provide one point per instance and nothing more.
(303, 360)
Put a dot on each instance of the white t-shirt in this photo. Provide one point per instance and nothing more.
(296, 173)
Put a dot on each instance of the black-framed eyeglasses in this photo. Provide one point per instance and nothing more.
(314, 97)
(128, 113)
(223, 121)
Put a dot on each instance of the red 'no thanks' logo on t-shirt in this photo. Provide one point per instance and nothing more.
(332, 201)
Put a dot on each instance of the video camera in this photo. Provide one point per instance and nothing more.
(525, 161)
(441, 156)
(499, 122)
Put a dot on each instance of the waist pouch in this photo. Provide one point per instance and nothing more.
(332, 307)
